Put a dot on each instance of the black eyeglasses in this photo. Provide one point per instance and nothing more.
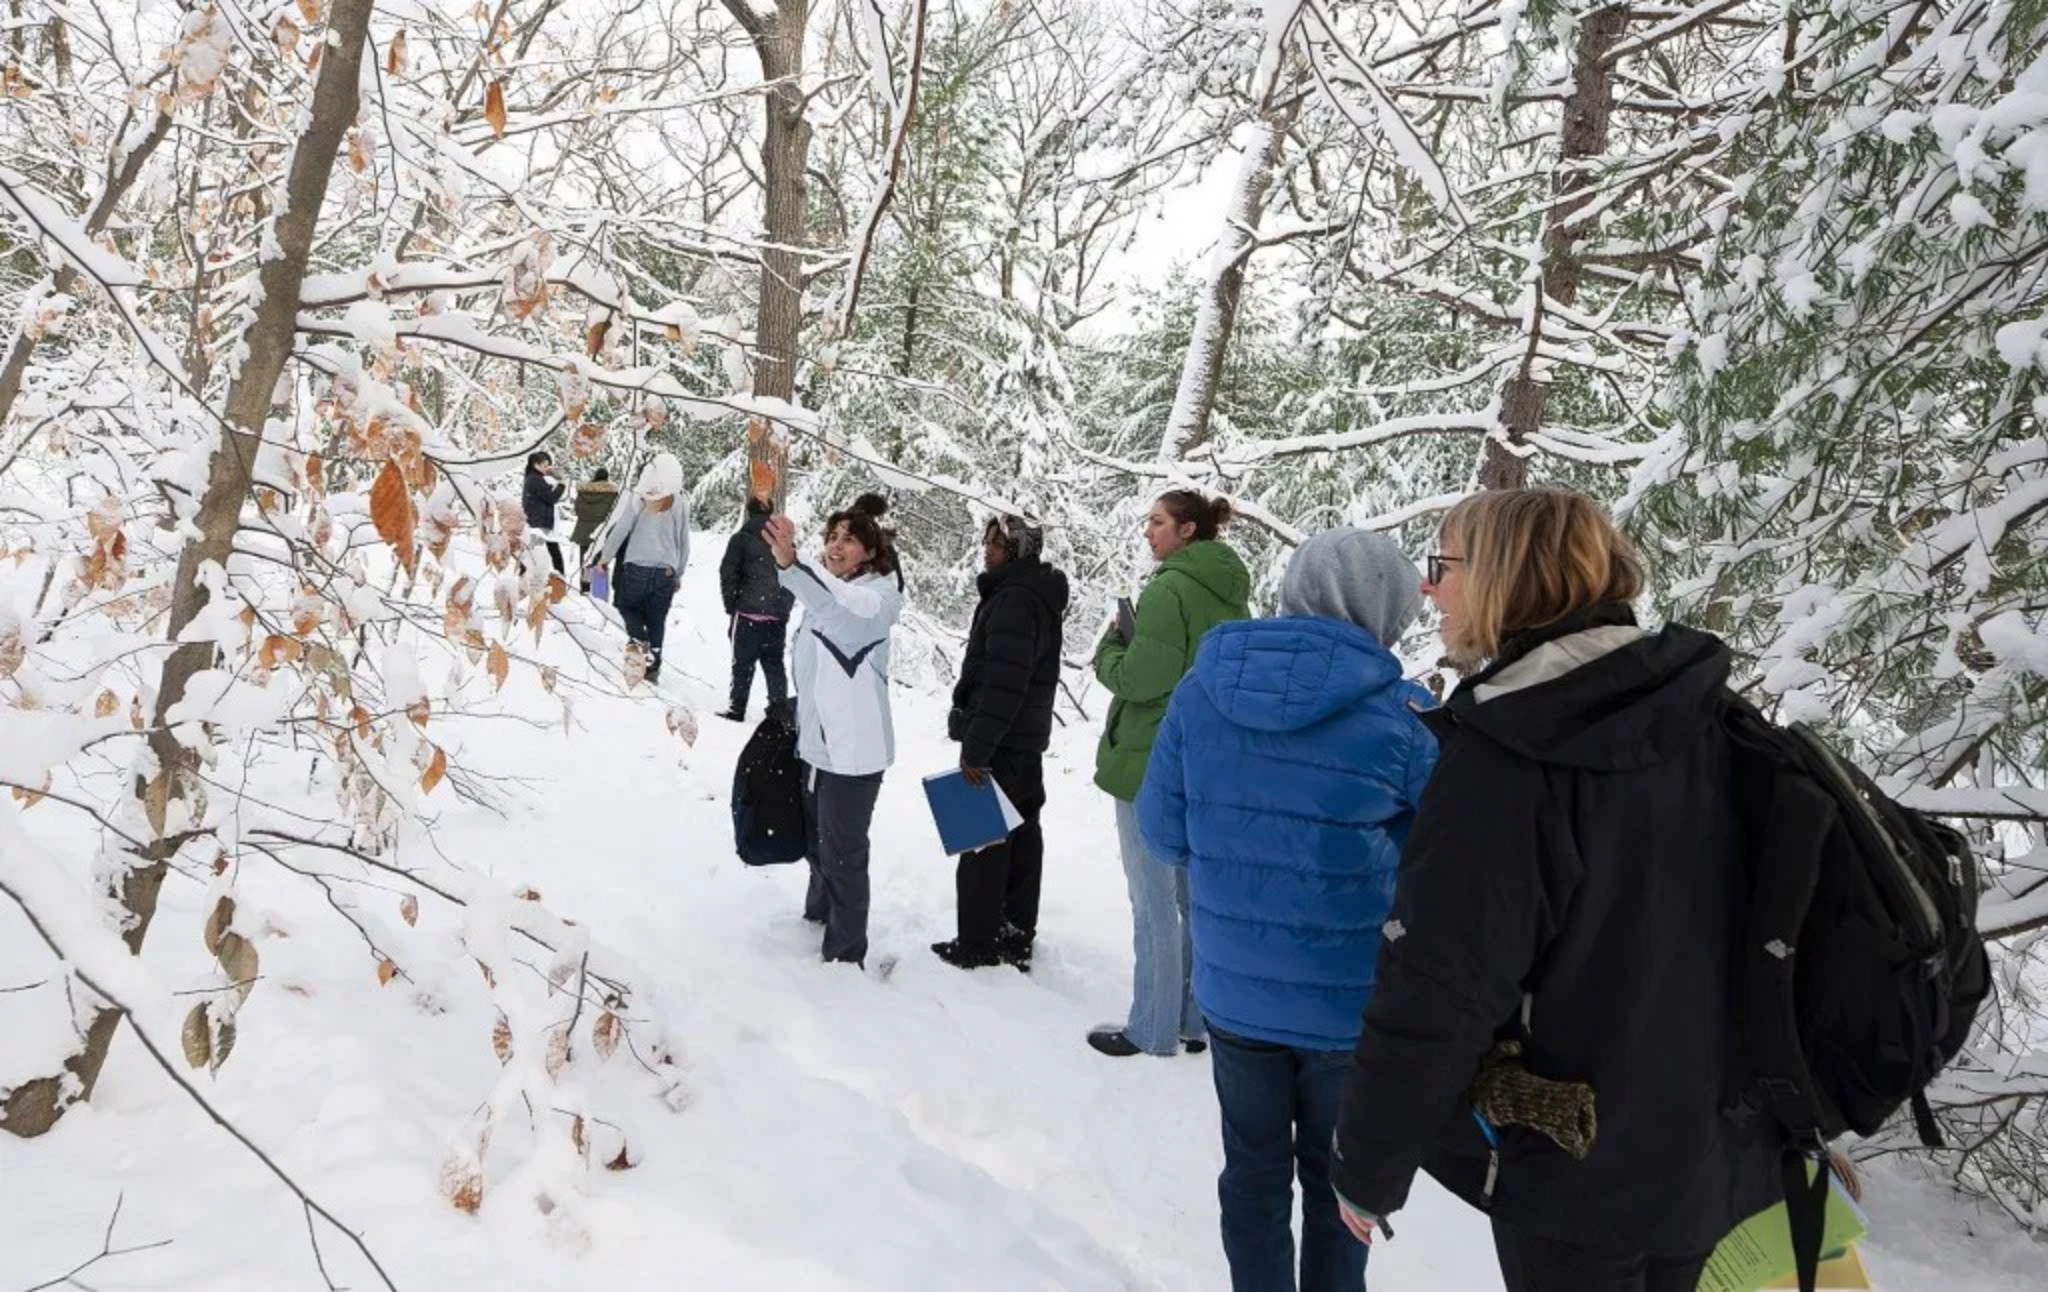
(1437, 562)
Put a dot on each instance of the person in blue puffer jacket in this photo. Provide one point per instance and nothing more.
(1284, 777)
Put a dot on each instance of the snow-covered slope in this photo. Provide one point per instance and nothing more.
(822, 1128)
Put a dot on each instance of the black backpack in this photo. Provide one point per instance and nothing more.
(1861, 969)
(768, 796)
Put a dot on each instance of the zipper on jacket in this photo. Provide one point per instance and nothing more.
(1492, 1159)
(1898, 876)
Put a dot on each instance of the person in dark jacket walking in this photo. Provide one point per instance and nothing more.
(1569, 907)
(757, 610)
(1201, 582)
(595, 499)
(1002, 717)
(1284, 779)
(538, 497)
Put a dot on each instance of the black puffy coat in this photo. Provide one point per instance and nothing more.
(746, 577)
(538, 497)
(1011, 673)
(1577, 846)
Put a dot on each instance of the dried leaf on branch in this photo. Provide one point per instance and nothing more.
(391, 511)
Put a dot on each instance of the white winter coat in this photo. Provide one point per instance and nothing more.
(841, 672)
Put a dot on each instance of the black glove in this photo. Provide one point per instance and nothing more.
(956, 725)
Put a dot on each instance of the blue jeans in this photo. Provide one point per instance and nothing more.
(642, 594)
(1279, 1113)
(1162, 984)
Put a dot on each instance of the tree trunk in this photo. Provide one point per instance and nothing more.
(1187, 425)
(1583, 139)
(909, 329)
(36, 1106)
(785, 152)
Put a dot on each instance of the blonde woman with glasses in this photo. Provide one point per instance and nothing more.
(1568, 910)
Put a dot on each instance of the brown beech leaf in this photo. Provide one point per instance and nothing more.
(238, 959)
(217, 923)
(135, 718)
(277, 649)
(636, 664)
(580, 1138)
(360, 717)
(409, 910)
(463, 1185)
(547, 679)
(197, 1036)
(436, 770)
(394, 60)
(494, 108)
(391, 511)
(501, 1039)
(29, 798)
(604, 1034)
(498, 665)
(105, 704)
(558, 1052)
(419, 711)
(386, 971)
(558, 589)
(621, 1162)
(309, 10)
(593, 339)
(223, 1043)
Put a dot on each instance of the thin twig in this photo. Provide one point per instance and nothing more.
(107, 1252)
(171, 1070)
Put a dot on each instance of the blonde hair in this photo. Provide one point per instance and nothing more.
(1530, 558)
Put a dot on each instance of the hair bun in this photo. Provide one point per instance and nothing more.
(1221, 513)
(872, 504)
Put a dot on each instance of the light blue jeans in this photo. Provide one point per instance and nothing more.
(1162, 985)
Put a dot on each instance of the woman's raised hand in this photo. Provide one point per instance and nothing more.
(779, 533)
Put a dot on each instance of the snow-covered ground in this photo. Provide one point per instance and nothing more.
(825, 1129)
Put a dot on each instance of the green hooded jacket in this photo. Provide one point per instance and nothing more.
(1198, 587)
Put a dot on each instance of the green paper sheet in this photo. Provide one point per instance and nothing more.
(1758, 1252)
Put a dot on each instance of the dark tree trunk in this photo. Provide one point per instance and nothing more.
(1584, 138)
(785, 151)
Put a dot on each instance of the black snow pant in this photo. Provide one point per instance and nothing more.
(837, 813)
(999, 885)
(758, 641)
(1529, 1263)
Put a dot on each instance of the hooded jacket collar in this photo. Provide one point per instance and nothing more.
(1595, 692)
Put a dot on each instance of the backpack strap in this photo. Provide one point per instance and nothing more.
(1806, 1206)
(1923, 1121)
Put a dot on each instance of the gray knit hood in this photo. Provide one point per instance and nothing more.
(1357, 576)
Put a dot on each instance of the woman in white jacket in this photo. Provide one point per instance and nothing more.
(840, 667)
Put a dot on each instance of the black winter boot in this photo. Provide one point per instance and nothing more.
(1014, 946)
(962, 955)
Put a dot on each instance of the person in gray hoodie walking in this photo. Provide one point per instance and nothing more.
(648, 547)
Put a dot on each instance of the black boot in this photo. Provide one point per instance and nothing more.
(733, 714)
(963, 955)
(1113, 1042)
(1014, 946)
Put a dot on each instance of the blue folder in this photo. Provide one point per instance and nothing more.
(969, 816)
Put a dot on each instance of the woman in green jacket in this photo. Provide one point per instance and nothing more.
(1200, 583)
